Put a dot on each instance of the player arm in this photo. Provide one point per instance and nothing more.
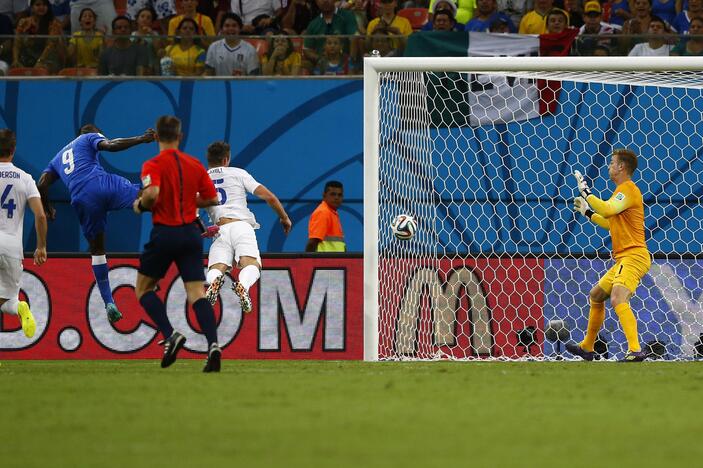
(120, 144)
(311, 246)
(45, 181)
(275, 204)
(580, 206)
(40, 224)
(606, 209)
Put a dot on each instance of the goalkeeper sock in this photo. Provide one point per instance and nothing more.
(101, 272)
(206, 319)
(249, 275)
(156, 309)
(629, 326)
(596, 317)
(10, 306)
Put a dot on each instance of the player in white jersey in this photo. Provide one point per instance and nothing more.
(236, 244)
(17, 190)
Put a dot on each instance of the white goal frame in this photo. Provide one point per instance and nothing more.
(375, 65)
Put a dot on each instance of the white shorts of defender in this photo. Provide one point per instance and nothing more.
(10, 276)
(236, 240)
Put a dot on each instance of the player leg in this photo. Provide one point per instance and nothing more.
(153, 264)
(219, 262)
(249, 260)
(190, 266)
(627, 278)
(10, 275)
(101, 273)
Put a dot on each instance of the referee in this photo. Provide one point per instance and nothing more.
(175, 185)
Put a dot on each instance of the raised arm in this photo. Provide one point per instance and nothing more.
(45, 181)
(120, 144)
(147, 200)
(40, 224)
(272, 201)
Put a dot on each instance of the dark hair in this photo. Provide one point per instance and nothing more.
(149, 9)
(627, 157)
(333, 184)
(80, 15)
(44, 21)
(118, 18)
(168, 128)
(195, 25)
(558, 11)
(88, 128)
(8, 142)
(233, 16)
(272, 39)
(445, 11)
(217, 152)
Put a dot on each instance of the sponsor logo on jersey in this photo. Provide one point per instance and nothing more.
(620, 196)
(146, 180)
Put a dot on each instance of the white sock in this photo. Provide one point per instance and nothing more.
(212, 275)
(10, 306)
(98, 259)
(249, 275)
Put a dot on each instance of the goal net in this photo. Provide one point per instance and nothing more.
(482, 153)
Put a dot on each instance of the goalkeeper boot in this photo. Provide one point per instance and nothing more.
(29, 326)
(214, 355)
(244, 298)
(113, 314)
(577, 350)
(214, 289)
(172, 345)
(634, 356)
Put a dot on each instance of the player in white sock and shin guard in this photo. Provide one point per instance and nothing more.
(236, 244)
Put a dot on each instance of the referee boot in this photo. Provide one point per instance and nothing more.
(634, 356)
(172, 345)
(577, 350)
(214, 289)
(214, 356)
(29, 326)
(243, 295)
(113, 313)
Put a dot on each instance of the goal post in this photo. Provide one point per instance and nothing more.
(481, 152)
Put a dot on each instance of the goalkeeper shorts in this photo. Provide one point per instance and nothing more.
(628, 271)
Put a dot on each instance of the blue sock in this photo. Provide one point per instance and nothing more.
(206, 318)
(156, 309)
(101, 271)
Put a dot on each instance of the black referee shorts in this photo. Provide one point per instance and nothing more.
(167, 244)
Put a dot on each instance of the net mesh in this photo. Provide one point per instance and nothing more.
(501, 267)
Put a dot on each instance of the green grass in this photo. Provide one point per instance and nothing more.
(350, 414)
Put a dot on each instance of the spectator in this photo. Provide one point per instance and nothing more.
(185, 57)
(85, 45)
(557, 21)
(62, 12)
(7, 33)
(124, 57)
(359, 8)
(14, 9)
(330, 22)
(383, 44)
(104, 12)
(534, 21)
(163, 9)
(257, 14)
(333, 60)
(444, 5)
(282, 58)
(620, 12)
(657, 44)
(601, 50)
(463, 9)
(325, 232)
(38, 52)
(298, 15)
(499, 26)
(203, 23)
(641, 15)
(666, 9)
(443, 20)
(231, 56)
(691, 45)
(145, 35)
(593, 26)
(573, 9)
(514, 9)
(214, 9)
(682, 21)
(486, 12)
(397, 27)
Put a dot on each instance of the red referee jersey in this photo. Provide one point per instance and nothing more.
(180, 179)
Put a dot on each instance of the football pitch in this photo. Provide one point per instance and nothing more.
(350, 414)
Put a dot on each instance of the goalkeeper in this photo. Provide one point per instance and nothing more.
(623, 216)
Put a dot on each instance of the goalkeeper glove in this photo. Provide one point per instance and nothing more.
(582, 185)
(211, 231)
(582, 206)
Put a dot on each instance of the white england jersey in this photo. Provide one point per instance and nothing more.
(232, 185)
(16, 187)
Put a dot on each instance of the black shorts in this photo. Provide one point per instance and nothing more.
(167, 244)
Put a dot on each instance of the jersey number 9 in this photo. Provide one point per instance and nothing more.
(67, 160)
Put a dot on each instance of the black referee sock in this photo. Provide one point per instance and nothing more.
(206, 318)
(157, 311)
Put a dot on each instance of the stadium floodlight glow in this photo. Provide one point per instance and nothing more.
(480, 151)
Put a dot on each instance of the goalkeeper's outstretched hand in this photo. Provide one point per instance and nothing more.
(582, 185)
(581, 206)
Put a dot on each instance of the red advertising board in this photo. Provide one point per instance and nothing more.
(304, 308)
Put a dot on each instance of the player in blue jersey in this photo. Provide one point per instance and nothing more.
(94, 192)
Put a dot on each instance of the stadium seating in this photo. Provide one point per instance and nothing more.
(78, 72)
(418, 17)
(261, 45)
(28, 71)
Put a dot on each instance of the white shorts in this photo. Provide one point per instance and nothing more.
(236, 240)
(10, 276)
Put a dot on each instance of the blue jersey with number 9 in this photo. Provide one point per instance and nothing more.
(77, 163)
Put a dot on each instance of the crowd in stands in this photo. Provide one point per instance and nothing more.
(310, 37)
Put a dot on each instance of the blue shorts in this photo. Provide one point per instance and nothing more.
(168, 244)
(108, 192)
